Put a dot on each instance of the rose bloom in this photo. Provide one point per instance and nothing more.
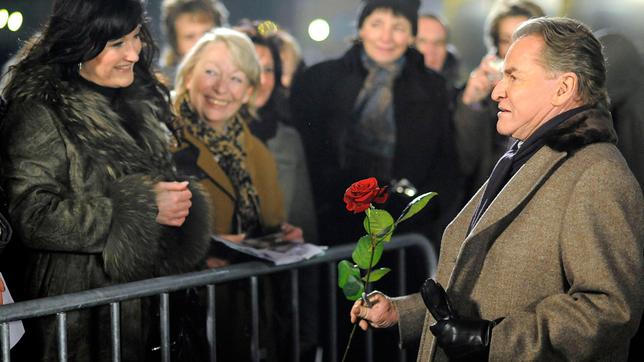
(361, 194)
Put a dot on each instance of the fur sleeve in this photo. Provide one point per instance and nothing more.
(132, 247)
(184, 249)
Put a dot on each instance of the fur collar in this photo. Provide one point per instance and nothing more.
(88, 119)
(593, 125)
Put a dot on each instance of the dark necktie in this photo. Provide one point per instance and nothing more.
(498, 179)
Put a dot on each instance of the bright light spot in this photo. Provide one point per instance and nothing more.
(4, 16)
(319, 30)
(15, 21)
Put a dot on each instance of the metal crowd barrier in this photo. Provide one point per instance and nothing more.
(112, 295)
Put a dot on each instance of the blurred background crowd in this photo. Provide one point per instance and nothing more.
(465, 18)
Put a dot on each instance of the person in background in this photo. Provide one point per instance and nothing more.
(291, 57)
(479, 145)
(378, 112)
(92, 192)
(432, 41)
(268, 123)
(183, 23)
(547, 261)
(217, 80)
(625, 83)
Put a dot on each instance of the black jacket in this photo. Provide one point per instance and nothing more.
(322, 101)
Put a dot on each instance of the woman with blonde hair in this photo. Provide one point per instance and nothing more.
(215, 85)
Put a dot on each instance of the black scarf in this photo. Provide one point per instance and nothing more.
(518, 154)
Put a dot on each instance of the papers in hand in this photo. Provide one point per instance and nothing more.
(16, 329)
(271, 248)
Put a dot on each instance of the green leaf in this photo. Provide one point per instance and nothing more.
(362, 253)
(415, 206)
(353, 288)
(345, 270)
(379, 223)
(376, 275)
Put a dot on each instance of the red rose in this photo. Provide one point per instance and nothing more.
(361, 194)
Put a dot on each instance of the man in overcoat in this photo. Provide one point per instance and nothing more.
(545, 262)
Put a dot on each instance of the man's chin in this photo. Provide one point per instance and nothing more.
(503, 128)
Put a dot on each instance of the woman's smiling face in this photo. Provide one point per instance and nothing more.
(386, 36)
(113, 67)
(216, 86)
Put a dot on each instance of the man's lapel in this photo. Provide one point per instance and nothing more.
(503, 210)
(520, 187)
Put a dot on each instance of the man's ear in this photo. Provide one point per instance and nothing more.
(566, 89)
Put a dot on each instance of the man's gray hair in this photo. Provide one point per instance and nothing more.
(570, 46)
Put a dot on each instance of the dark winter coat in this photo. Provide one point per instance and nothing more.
(322, 101)
(625, 83)
(79, 180)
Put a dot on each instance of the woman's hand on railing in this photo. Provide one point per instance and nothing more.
(381, 314)
(173, 202)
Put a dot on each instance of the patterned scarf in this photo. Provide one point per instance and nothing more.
(227, 148)
(374, 130)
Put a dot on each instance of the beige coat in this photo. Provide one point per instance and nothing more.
(557, 256)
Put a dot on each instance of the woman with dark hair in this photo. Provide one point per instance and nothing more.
(92, 193)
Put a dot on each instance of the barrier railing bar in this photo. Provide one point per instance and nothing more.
(295, 304)
(402, 288)
(164, 311)
(211, 323)
(115, 316)
(254, 339)
(4, 335)
(155, 286)
(161, 286)
(62, 336)
(368, 345)
(333, 314)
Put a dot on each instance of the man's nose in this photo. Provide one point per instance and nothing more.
(499, 90)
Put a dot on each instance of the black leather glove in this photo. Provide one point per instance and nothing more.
(461, 339)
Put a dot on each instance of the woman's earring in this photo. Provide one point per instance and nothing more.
(80, 66)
